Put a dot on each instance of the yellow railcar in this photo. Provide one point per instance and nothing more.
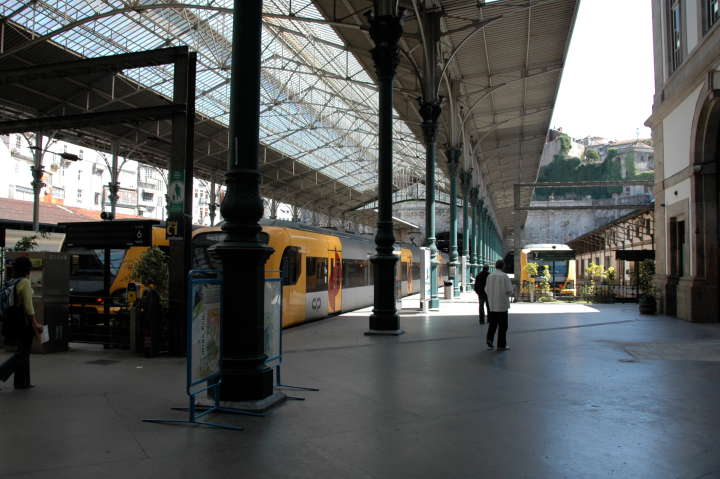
(561, 262)
(323, 272)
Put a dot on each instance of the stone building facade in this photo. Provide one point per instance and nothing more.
(685, 126)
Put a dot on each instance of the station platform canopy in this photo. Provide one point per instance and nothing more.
(506, 62)
(319, 99)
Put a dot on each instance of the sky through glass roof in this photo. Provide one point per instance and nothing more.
(318, 105)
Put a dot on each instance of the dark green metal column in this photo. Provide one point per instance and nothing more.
(485, 238)
(430, 111)
(453, 156)
(473, 236)
(385, 30)
(37, 183)
(244, 252)
(465, 177)
(478, 238)
(494, 244)
(114, 185)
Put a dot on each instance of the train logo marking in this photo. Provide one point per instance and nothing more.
(316, 303)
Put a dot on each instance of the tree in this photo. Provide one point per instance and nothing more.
(545, 280)
(629, 160)
(565, 143)
(592, 155)
(152, 270)
(26, 243)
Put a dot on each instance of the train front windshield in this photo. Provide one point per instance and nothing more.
(87, 270)
(558, 271)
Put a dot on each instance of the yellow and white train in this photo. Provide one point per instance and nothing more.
(324, 272)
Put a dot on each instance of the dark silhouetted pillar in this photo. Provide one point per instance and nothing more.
(244, 252)
(385, 30)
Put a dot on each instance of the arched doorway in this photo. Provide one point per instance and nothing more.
(705, 293)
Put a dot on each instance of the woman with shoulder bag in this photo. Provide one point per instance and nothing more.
(24, 327)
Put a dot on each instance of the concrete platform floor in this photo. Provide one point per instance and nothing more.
(585, 392)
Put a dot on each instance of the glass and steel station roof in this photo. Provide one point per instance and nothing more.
(318, 104)
(319, 100)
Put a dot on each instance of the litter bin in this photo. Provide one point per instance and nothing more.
(448, 289)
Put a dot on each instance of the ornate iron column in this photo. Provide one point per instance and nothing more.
(37, 183)
(484, 257)
(430, 111)
(478, 236)
(453, 157)
(385, 31)
(473, 235)
(244, 251)
(465, 178)
(114, 185)
(213, 201)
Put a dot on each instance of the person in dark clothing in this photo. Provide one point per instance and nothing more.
(480, 282)
(24, 327)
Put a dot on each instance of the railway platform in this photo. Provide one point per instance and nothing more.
(585, 391)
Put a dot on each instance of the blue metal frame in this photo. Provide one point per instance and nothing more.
(279, 358)
(212, 381)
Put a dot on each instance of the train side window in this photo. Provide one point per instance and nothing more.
(355, 273)
(317, 274)
(290, 266)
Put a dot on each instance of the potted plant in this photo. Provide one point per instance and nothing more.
(532, 270)
(545, 279)
(647, 301)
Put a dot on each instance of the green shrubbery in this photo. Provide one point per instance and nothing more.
(569, 170)
(152, 270)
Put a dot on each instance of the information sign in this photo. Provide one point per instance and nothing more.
(109, 234)
(172, 229)
(273, 320)
(205, 331)
(176, 191)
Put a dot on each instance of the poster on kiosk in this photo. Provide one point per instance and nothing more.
(425, 288)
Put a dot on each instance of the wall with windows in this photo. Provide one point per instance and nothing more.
(687, 51)
(84, 183)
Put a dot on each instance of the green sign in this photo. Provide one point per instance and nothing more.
(176, 191)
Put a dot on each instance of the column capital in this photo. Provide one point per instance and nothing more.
(385, 31)
(37, 174)
(430, 112)
(453, 160)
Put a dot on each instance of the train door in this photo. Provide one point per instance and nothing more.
(335, 281)
(293, 286)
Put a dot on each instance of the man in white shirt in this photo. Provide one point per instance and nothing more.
(499, 290)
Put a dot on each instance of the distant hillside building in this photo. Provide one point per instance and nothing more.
(561, 225)
(685, 127)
